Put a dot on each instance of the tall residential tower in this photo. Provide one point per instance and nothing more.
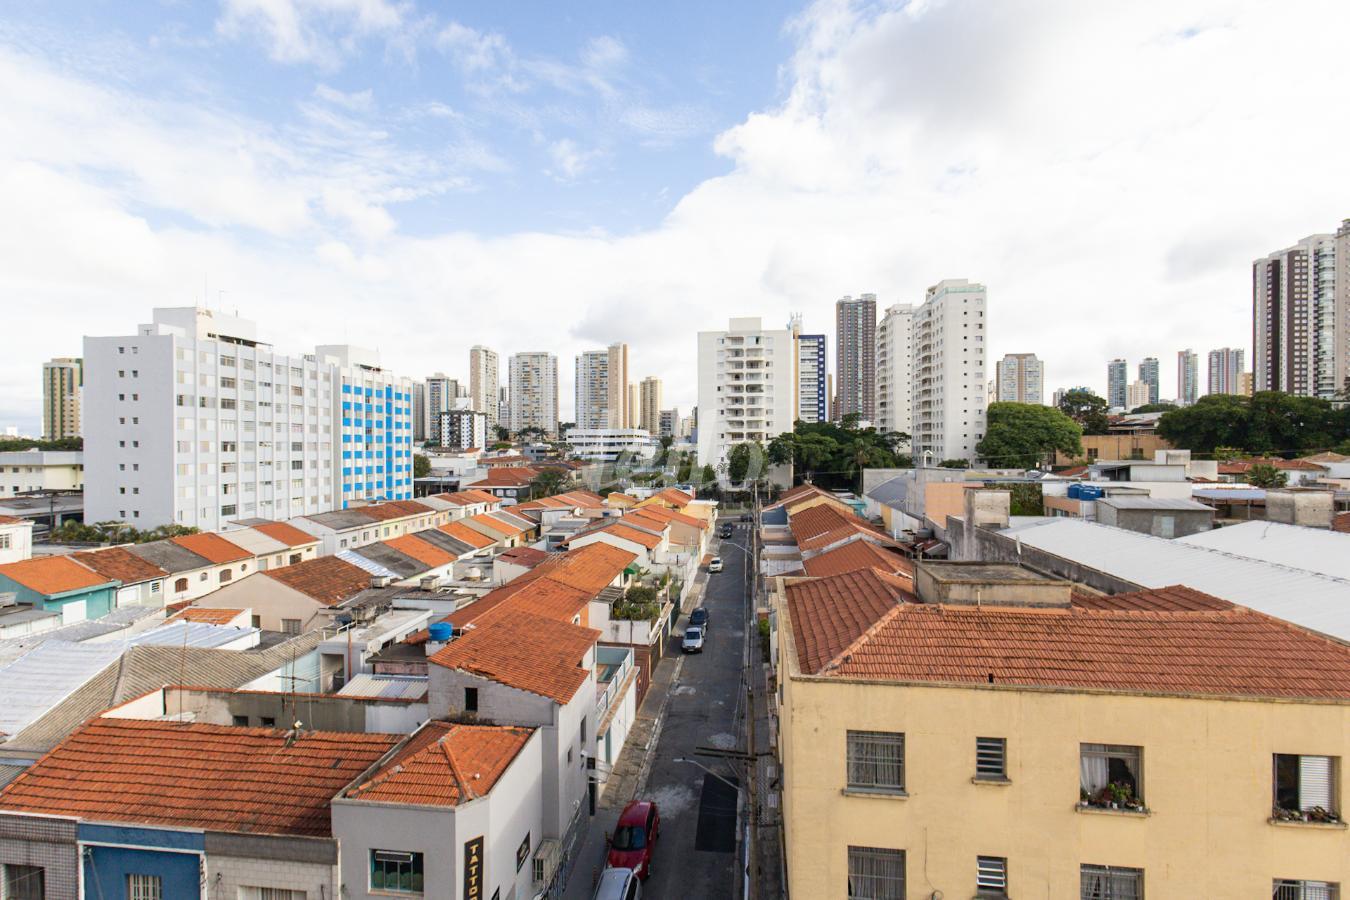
(895, 369)
(949, 371)
(62, 385)
(534, 392)
(1020, 378)
(484, 384)
(855, 342)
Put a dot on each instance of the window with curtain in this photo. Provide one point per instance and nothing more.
(876, 761)
(24, 882)
(876, 874)
(1110, 883)
(1111, 774)
(1305, 785)
(1294, 889)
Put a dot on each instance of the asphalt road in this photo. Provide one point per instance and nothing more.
(695, 856)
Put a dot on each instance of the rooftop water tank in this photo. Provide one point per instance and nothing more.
(439, 632)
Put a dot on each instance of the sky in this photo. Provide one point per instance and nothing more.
(421, 177)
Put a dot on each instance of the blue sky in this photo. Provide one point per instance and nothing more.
(419, 177)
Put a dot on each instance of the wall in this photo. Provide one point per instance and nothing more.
(317, 712)
(270, 600)
(1116, 446)
(45, 842)
(991, 546)
(97, 601)
(174, 855)
(20, 542)
(1206, 778)
(235, 861)
(1157, 522)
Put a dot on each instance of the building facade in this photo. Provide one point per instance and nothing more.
(484, 383)
(1301, 317)
(895, 369)
(591, 390)
(811, 372)
(1116, 383)
(949, 371)
(1225, 370)
(649, 405)
(62, 387)
(855, 362)
(1137, 394)
(669, 424)
(440, 391)
(34, 471)
(1020, 379)
(197, 422)
(463, 428)
(619, 410)
(1148, 373)
(534, 392)
(746, 387)
(1188, 377)
(609, 444)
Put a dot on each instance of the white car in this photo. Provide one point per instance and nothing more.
(619, 884)
(693, 640)
(715, 565)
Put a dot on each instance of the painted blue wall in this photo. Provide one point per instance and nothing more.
(172, 855)
(99, 601)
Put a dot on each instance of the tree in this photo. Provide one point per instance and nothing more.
(666, 441)
(530, 431)
(1085, 408)
(1153, 407)
(685, 470)
(551, 481)
(8, 445)
(502, 445)
(746, 459)
(421, 466)
(954, 464)
(709, 475)
(781, 449)
(864, 454)
(1025, 435)
(1264, 475)
(1266, 422)
(833, 454)
(503, 433)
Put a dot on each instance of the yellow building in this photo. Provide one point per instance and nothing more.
(972, 741)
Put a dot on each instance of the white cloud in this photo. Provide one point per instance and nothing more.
(1108, 170)
(323, 32)
(570, 160)
(475, 51)
(357, 101)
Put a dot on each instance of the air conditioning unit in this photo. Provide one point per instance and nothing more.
(546, 859)
(380, 581)
(430, 582)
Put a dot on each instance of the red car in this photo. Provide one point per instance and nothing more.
(634, 838)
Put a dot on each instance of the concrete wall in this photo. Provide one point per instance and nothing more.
(317, 712)
(1116, 446)
(270, 600)
(19, 540)
(1157, 522)
(992, 546)
(1311, 508)
(1206, 779)
(45, 842)
(236, 861)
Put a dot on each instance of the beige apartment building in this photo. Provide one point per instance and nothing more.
(649, 417)
(62, 386)
(1006, 735)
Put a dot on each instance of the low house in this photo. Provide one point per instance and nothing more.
(643, 544)
(197, 563)
(405, 560)
(824, 526)
(511, 564)
(356, 526)
(294, 599)
(620, 500)
(858, 556)
(686, 533)
(59, 584)
(507, 529)
(1297, 472)
(141, 582)
(244, 810)
(509, 484)
(457, 804)
(16, 539)
(1155, 516)
(461, 504)
(473, 538)
(274, 543)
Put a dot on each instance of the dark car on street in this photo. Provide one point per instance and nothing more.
(699, 618)
(726, 531)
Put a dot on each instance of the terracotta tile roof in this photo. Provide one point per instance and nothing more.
(549, 599)
(523, 556)
(590, 568)
(212, 547)
(823, 525)
(444, 764)
(839, 609)
(52, 575)
(459, 498)
(1072, 472)
(503, 523)
(620, 497)
(461, 532)
(393, 509)
(211, 616)
(524, 651)
(420, 550)
(1178, 598)
(675, 496)
(628, 533)
(326, 579)
(119, 563)
(286, 534)
(586, 499)
(640, 519)
(194, 775)
(857, 555)
(1243, 466)
(508, 476)
(1207, 652)
(11, 520)
(670, 515)
(481, 497)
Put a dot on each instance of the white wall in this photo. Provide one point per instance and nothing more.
(19, 538)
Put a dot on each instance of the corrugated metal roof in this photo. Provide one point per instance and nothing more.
(39, 680)
(193, 634)
(1310, 549)
(1153, 503)
(369, 565)
(1229, 493)
(891, 493)
(1305, 598)
(401, 687)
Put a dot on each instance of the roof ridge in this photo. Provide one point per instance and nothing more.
(861, 639)
(464, 786)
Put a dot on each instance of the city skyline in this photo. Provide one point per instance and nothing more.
(449, 210)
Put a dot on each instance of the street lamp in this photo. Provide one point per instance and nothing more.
(693, 762)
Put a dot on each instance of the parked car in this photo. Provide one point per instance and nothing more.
(699, 618)
(715, 565)
(618, 884)
(634, 838)
(693, 640)
(726, 530)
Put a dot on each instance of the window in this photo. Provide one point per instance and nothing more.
(290, 626)
(876, 874)
(24, 882)
(1111, 776)
(471, 699)
(268, 721)
(180, 585)
(991, 876)
(145, 887)
(241, 721)
(991, 758)
(225, 575)
(270, 893)
(1110, 883)
(395, 871)
(1305, 788)
(876, 761)
(4, 541)
(1293, 889)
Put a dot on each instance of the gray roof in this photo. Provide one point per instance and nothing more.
(169, 556)
(1176, 505)
(891, 493)
(142, 669)
(1305, 598)
(1317, 550)
(400, 563)
(445, 542)
(342, 519)
(43, 677)
(192, 634)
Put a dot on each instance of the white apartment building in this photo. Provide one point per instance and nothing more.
(534, 392)
(812, 394)
(608, 444)
(484, 384)
(1020, 379)
(194, 421)
(440, 393)
(592, 389)
(949, 372)
(463, 428)
(30, 471)
(895, 369)
(746, 387)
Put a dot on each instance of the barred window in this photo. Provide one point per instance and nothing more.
(991, 757)
(270, 893)
(991, 876)
(876, 874)
(876, 761)
(1110, 883)
(145, 887)
(1293, 889)
(22, 882)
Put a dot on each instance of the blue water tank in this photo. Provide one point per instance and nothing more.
(1075, 491)
(439, 631)
(1091, 492)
